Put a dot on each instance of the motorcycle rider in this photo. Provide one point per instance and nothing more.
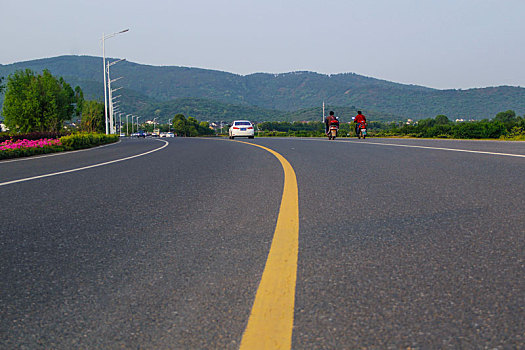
(331, 119)
(359, 120)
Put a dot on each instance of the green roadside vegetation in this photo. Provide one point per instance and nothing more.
(190, 126)
(26, 148)
(505, 126)
(38, 109)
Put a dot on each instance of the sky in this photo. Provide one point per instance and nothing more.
(444, 44)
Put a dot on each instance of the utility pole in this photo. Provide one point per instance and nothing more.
(324, 117)
(127, 125)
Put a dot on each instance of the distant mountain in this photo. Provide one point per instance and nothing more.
(215, 95)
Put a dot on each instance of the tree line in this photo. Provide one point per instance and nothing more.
(190, 126)
(504, 125)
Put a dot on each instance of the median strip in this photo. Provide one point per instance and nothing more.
(271, 319)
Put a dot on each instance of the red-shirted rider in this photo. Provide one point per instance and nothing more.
(360, 121)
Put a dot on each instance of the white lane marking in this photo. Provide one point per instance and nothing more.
(364, 142)
(166, 143)
(440, 149)
(55, 154)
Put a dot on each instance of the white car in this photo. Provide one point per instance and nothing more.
(241, 128)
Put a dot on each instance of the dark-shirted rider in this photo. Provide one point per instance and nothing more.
(331, 119)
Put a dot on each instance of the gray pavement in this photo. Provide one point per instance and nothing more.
(399, 247)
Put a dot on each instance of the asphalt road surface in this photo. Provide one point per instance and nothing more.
(402, 244)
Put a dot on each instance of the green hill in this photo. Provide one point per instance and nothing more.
(205, 109)
(215, 95)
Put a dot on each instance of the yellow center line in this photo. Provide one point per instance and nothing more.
(271, 320)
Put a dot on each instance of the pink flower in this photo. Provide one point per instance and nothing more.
(10, 144)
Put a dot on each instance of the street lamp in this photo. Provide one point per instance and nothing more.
(127, 124)
(111, 91)
(115, 108)
(111, 98)
(104, 37)
(119, 124)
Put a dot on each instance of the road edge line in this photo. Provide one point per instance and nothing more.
(5, 161)
(83, 168)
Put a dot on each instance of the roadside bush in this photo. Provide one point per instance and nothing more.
(438, 131)
(26, 152)
(479, 130)
(79, 141)
(515, 134)
(274, 133)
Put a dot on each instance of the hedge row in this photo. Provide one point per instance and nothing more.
(79, 141)
(69, 143)
(26, 152)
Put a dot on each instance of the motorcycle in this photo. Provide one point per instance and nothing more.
(332, 131)
(361, 130)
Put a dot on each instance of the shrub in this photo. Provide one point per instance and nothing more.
(79, 141)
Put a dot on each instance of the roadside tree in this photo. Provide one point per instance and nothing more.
(190, 127)
(442, 120)
(507, 116)
(79, 102)
(93, 117)
(37, 102)
(180, 125)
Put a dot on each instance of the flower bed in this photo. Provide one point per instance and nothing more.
(9, 144)
(14, 148)
(24, 148)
